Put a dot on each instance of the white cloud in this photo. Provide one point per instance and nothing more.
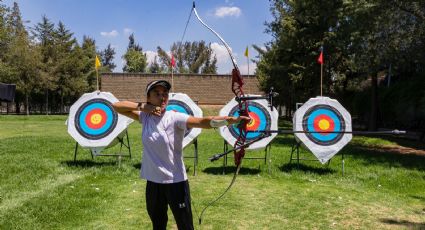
(128, 31)
(221, 53)
(227, 11)
(113, 33)
(151, 56)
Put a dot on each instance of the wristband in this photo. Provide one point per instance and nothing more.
(139, 106)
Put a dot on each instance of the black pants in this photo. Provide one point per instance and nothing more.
(177, 195)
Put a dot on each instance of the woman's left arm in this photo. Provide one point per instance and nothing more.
(214, 121)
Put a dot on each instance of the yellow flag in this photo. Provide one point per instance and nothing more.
(97, 63)
(246, 52)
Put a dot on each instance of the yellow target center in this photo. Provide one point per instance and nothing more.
(324, 124)
(96, 118)
(251, 123)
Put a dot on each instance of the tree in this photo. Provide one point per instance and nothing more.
(136, 60)
(154, 67)
(44, 33)
(107, 58)
(191, 57)
(68, 64)
(23, 57)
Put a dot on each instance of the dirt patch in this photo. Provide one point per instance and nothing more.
(397, 149)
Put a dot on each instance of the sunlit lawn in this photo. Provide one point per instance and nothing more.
(42, 188)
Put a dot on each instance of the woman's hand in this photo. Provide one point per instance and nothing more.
(152, 109)
(235, 120)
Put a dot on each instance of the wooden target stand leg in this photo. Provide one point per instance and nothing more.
(296, 149)
(195, 156)
(118, 155)
(267, 157)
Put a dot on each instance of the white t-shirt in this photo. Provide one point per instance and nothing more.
(162, 139)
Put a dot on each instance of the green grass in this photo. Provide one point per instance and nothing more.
(41, 187)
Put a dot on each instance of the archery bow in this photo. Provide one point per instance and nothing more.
(237, 84)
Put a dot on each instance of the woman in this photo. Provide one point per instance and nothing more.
(163, 168)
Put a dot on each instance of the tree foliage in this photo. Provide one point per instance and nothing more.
(190, 57)
(364, 42)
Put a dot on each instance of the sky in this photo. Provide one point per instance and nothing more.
(159, 23)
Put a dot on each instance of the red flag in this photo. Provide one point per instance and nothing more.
(320, 58)
(173, 62)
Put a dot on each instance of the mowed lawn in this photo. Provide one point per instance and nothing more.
(42, 188)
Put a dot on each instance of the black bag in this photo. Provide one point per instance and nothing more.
(7, 92)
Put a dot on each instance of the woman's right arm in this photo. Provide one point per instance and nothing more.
(131, 109)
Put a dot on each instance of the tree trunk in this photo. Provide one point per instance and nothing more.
(62, 106)
(18, 107)
(47, 102)
(373, 118)
(27, 110)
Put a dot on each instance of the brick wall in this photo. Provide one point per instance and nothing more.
(206, 89)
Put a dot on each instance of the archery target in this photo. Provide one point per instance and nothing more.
(322, 114)
(93, 122)
(182, 103)
(262, 118)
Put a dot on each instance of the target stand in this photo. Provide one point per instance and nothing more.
(195, 155)
(295, 149)
(266, 158)
(119, 155)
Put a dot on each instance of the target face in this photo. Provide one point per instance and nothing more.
(323, 118)
(262, 118)
(94, 124)
(181, 107)
(322, 114)
(96, 119)
(180, 102)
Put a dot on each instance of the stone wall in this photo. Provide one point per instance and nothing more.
(206, 89)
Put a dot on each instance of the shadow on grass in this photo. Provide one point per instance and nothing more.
(88, 163)
(379, 156)
(231, 170)
(422, 198)
(286, 140)
(306, 168)
(404, 223)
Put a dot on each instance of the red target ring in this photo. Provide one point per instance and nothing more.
(324, 123)
(96, 119)
(254, 123)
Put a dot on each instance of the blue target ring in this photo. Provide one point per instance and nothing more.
(181, 107)
(261, 120)
(103, 111)
(333, 120)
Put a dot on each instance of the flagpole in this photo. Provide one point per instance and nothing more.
(247, 61)
(321, 79)
(97, 79)
(172, 79)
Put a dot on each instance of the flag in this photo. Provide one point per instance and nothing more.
(173, 62)
(320, 58)
(246, 52)
(97, 63)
